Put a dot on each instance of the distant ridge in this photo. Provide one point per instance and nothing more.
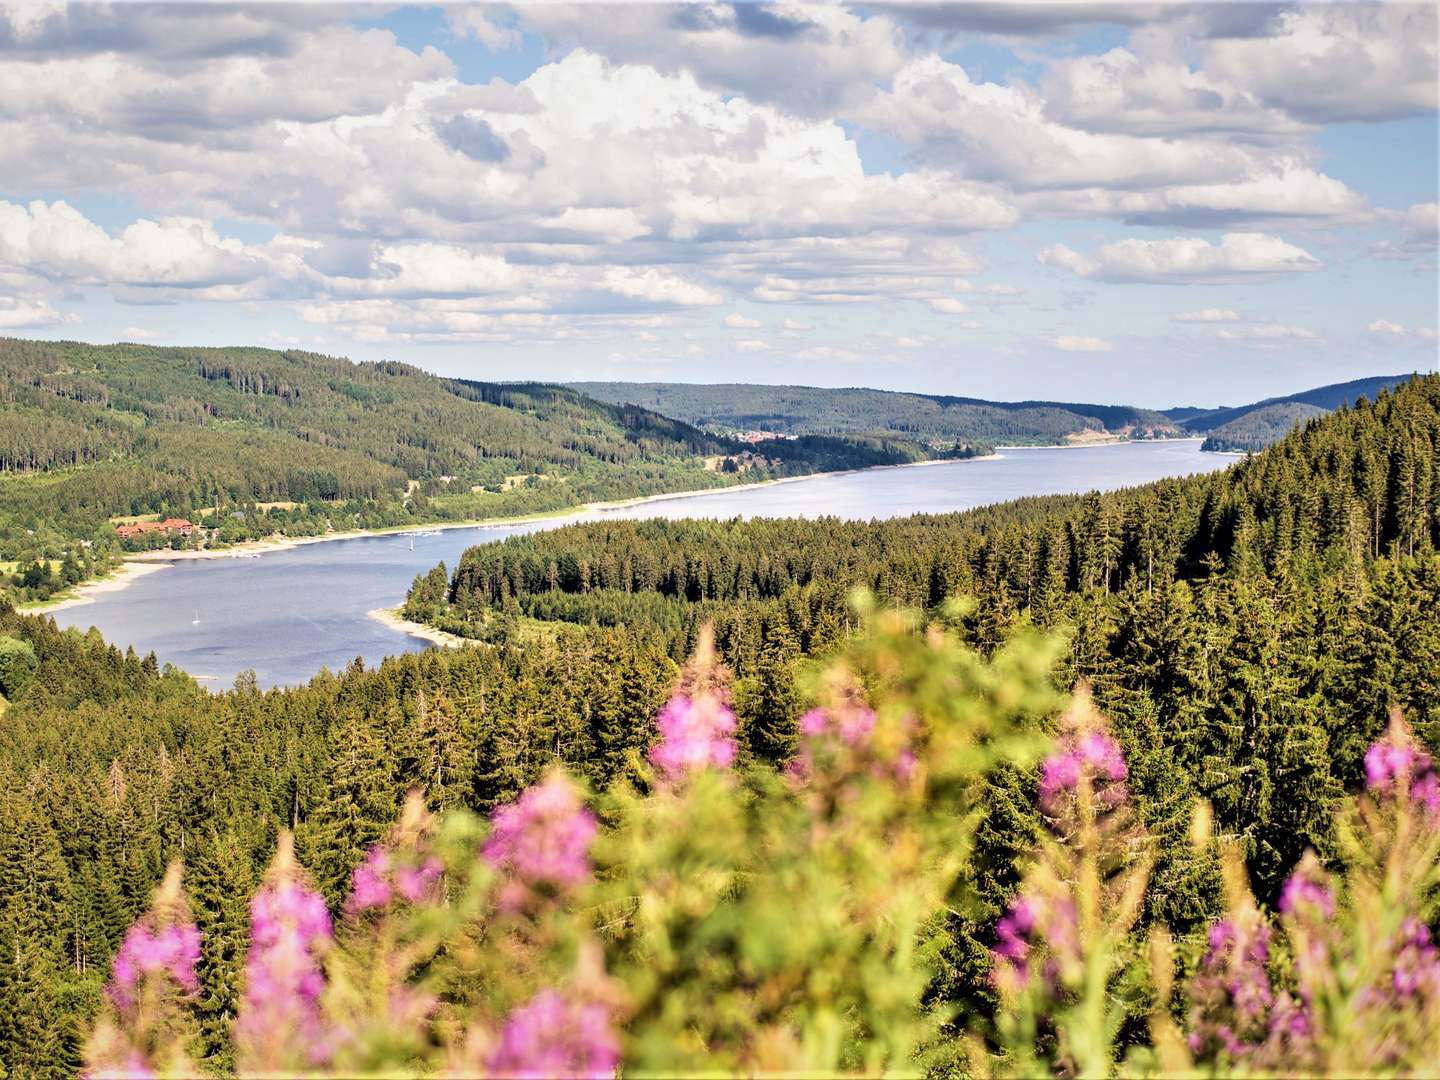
(928, 418)
(939, 419)
(1324, 398)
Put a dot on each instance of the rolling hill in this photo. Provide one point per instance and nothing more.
(932, 419)
(259, 439)
(941, 420)
(1322, 398)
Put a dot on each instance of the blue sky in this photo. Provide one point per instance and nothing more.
(1157, 204)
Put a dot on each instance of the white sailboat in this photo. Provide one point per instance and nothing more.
(196, 620)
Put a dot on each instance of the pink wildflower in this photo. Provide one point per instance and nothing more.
(543, 838)
(1013, 935)
(381, 877)
(290, 930)
(369, 884)
(551, 1036)
(152, 984)
(149, 949)
(1231, 996)
(1392, 763)
(1417, 966)
(1094, 754)
(695, 734)
(415, 882)
(1038, 921)
(847, 730)
(1306, 894)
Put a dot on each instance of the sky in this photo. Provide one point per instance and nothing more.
(1159, 204)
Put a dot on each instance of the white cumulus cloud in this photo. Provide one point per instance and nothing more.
(1194, 259)
(1079, 343)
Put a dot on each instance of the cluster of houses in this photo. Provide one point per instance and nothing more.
(168, 527)
(753, 437)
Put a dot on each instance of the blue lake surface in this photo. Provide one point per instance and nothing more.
(288, 613)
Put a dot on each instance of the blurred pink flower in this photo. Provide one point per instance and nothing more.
(1306, 894)
(695, 733)
(543, 838)
(1417, 965)
(1233, 1007)
(289, 930)
(551, 1036)
(1391, 763)
(383, 876)
(1094, 754)
(170, 951)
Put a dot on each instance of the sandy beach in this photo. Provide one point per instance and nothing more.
(86, 592)
(391, 617)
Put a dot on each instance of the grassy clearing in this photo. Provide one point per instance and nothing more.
(14, 567)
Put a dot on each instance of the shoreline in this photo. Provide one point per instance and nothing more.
(271, 544)
(86, 591)
(392, 619)
(1108, 442)
(141, 563)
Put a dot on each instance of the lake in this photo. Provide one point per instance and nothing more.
(289, 613)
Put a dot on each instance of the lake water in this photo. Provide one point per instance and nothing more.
(289, 613)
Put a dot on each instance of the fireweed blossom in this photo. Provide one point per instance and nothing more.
(383, 877)
(1039, 925)
(150, 950)
(1307, 896)
(1395, 763)
(554, 1036)
(1416, 974)
(695, 733)
(1235, 1013)
(1092, 754)
(697, 726)
(152, 985)
(542, 840)
(846, 734)
(290, 930)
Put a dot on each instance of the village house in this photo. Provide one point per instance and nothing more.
(178, 526)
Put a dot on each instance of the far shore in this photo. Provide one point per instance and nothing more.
(285, 543)
(391, 617)
(138, 564)
(1094, 443)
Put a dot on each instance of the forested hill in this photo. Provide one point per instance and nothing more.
(1250, 627)
(928, 418)
(1360, 483)
(1319, 400)
(942, 420)
(1258, 428)
(91, 432)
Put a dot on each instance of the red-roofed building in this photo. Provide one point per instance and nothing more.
(179, 526)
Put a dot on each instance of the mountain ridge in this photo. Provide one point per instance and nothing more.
(938, 418)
